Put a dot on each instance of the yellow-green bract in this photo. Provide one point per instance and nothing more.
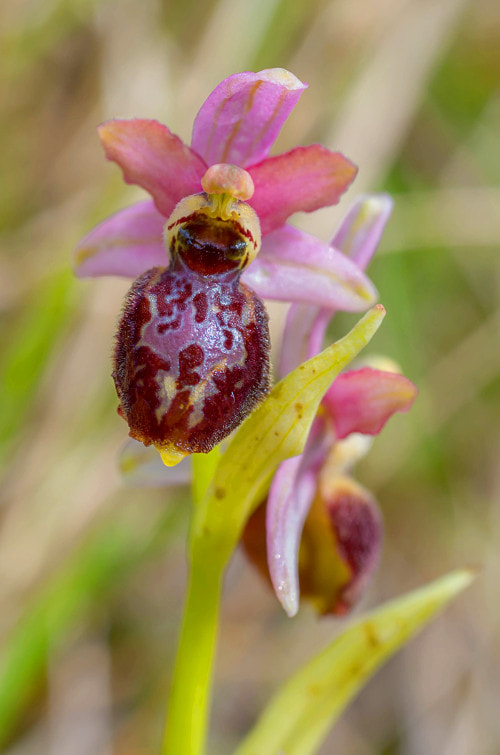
(302, 712)
(276, 430)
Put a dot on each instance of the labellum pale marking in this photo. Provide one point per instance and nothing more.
(192, 347)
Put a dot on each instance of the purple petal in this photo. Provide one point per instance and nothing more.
(304, 179)
(294, 266)
(303, 336)
(362, 228)
(152, 157)
(357, 237)
(361, 401)
(290, 497)
(126, 244)
(141, 467)
(239, 122)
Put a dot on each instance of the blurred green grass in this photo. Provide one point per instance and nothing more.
(71, 546)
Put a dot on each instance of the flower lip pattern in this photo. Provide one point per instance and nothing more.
(192, 347)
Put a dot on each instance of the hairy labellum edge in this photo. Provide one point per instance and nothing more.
(191, 358)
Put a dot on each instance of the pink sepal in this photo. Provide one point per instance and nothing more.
(290, 497)
(302, 180)
(362, 228)
(240, 120)
(127, 243)
(361, 401)
(357, 238)
(303, 337)
(295, 266)
(154, 158)
(288, 502)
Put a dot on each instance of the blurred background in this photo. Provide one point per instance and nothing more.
(92, 572)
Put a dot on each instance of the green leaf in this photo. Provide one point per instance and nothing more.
(31, 342)
(301, 713)
(276, 430)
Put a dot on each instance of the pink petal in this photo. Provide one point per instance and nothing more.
(154, 158)
(289, 499)
(304, 179)
(127, 244)
(295, 266)
(303, 336)
(240, 120)
(357, 237)
(361, 401)
(362, 228)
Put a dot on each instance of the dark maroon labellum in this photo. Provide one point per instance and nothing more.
(339, 547)
(192, 351)
(357, 523)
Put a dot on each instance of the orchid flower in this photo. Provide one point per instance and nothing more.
(324, 530)
(192, 346)
(321, 530)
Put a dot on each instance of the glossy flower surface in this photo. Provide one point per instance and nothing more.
(192, 347)
(185, 380)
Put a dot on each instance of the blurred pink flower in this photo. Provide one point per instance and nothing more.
(323, 530)
(356, 242)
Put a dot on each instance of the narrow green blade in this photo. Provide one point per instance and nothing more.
(301, 713)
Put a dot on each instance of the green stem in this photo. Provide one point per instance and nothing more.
(204, 466)
(190, 695)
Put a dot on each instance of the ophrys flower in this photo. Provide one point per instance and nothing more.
(192, 347)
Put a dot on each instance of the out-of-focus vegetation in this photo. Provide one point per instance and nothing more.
(92, 574)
